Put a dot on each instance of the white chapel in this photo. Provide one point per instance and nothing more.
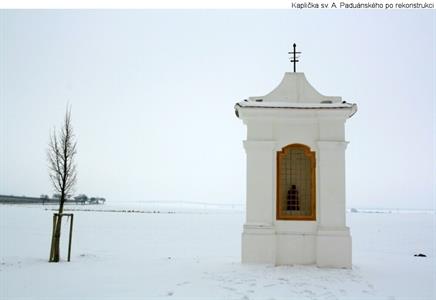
(295, 147)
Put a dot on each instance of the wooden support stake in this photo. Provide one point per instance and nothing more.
(71, 237)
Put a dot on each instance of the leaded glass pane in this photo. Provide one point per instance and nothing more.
(295, 175)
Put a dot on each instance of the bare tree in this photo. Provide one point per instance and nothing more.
(62, 170)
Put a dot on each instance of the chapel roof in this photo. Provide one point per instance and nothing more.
(295, 92)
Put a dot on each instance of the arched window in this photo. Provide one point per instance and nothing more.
(296, 183)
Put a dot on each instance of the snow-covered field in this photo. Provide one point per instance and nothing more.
(195, 254)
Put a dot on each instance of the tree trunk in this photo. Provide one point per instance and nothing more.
(56, 238)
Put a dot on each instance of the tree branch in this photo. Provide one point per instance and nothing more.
(60, 155)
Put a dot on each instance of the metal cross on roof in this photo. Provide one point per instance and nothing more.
(294, 58)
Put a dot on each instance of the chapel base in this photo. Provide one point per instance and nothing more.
(333, 248)
(258, 245)
(298, 249)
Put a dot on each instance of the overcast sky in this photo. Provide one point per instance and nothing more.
(152, 95)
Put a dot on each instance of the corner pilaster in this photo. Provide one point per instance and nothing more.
(333, 244)
(258, 237)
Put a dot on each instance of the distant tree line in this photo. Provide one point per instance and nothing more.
(79, 199)
(55, 199)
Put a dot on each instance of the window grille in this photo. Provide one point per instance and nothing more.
(296, 183)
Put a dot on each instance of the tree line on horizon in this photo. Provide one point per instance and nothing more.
(81, 198)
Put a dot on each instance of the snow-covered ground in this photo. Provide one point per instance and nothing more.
(193, 252)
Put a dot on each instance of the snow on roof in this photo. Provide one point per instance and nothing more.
(350, 107)
(296, 105)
